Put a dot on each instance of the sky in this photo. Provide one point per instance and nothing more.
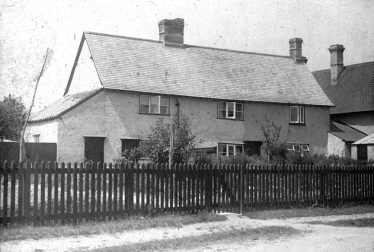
(28, 28)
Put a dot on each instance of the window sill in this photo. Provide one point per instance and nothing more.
(140, 113)
(230, 119)
(297, 124)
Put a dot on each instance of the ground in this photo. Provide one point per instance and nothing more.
(314, 235)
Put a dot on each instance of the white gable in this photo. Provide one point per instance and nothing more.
(85, 77)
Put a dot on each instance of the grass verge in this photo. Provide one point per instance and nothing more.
(364, 222)
(114, 226)
(235, 235)
(310, 212)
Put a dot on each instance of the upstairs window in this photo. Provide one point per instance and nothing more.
(154, 104)
(297, 115)
(230, 110)
(229, 149)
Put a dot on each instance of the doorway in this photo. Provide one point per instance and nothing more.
(94, 149)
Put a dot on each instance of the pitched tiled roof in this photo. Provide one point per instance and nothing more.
(345, 132)
(354, 91)
(366, 140)
(142, 65)
(61, 106)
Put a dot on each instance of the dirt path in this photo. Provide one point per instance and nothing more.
(317, 237)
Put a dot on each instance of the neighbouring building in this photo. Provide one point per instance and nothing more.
(119, 86)
(351, 89)
(363, 149)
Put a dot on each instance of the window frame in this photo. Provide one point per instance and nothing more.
(226, 110)
(298, 147)
(300, 112)
(159, 104)
(227, 146)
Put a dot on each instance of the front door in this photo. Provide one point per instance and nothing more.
(362, 152)
(94, 149)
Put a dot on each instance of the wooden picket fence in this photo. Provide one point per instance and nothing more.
(46, 193)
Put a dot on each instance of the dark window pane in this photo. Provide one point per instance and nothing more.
(222, 149)
(144, 108)
(129, 144)
(294, 114)
(302, 114)
(164, 110)
(239, 149)
(221, 109)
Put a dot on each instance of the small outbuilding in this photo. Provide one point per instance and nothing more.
(363, 149)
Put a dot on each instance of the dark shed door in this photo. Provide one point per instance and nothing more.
(362, 152)
(94, 149)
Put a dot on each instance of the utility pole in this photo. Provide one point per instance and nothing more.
(22, 149)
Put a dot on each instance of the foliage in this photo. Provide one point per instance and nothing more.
(275, 150)
(12, 117)
(225, 160)
(292, 157)
(157, 143)
(132, 155)
(325, 160)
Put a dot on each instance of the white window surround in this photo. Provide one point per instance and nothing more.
(297, 114)
(154, 104)
(298, 147)
(227, 149)
(230, 110)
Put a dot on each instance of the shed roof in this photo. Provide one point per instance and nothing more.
(61, 106)
(345, 132)
(366, 140)
(141, 65)
(354, 91)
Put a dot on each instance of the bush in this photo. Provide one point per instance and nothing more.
(157, 144)
(281, 157)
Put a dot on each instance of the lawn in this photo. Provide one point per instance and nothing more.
(364, 222)
(17, 232)
(309, 212)
(234, 235)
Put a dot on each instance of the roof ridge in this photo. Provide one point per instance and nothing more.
(347, 66)
(188, 45)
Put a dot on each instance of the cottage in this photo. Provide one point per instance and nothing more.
(351, 89)
(119, 86)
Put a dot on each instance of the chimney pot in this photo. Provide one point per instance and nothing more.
(336, 62)
(171, 31)
(296, 51)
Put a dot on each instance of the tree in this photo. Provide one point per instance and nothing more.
(12, 117)
(157, 144)
(275, 150)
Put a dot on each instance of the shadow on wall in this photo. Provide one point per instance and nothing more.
(34, 151)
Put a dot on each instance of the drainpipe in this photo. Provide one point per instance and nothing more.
(177, 104)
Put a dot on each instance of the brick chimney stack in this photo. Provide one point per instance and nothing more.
(171, 31)
(296, 51)
(336, 62)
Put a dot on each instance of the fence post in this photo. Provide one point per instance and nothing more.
(208, 187)
(5, 193)
(321, 170)
(241, 177)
